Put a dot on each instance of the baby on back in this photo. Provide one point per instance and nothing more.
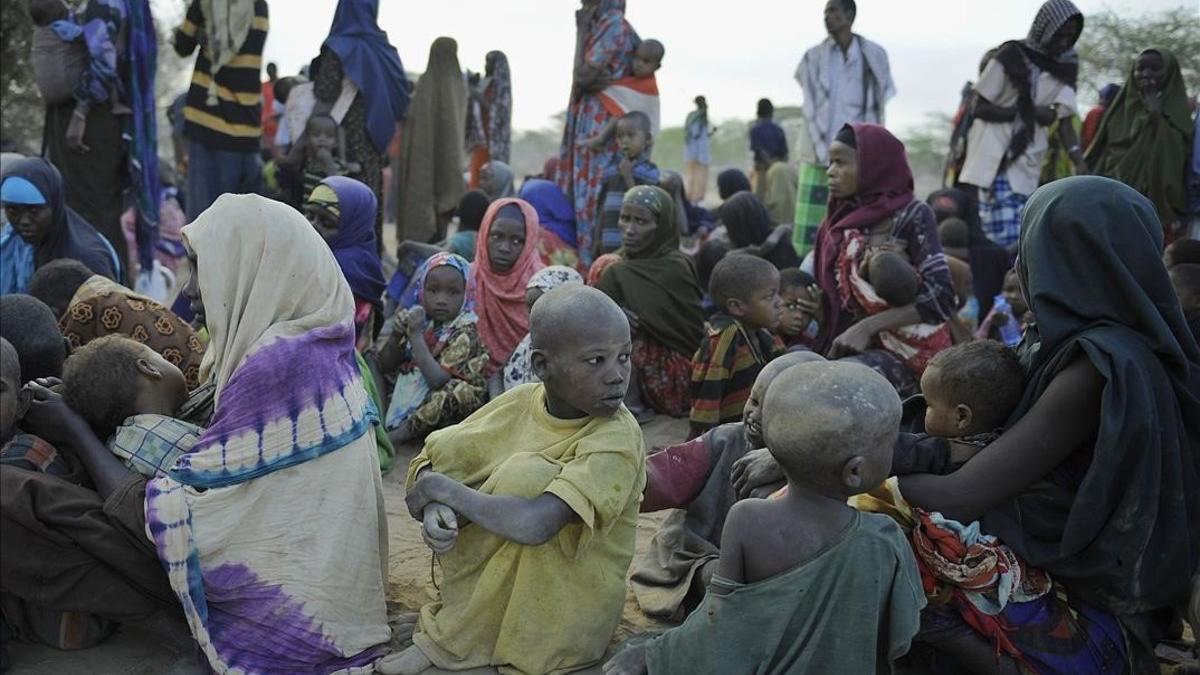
(806, 568)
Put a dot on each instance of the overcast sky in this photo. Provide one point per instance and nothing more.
(733, 51)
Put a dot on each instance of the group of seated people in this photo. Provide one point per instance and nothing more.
(921, 497)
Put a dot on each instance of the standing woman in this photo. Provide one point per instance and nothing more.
(1023, 90)
(489, 127)
(696, 155)
(431, 162)
(102, 136)
(1144, 138)
(378, 97)
(603, 52)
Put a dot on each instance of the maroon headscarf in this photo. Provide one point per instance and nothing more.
(885, 185)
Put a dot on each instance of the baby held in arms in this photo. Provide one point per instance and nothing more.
(531, 504)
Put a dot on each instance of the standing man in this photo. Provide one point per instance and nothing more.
(223, 113)
(845, 79)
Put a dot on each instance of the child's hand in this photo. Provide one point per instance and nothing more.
(415, 322)
(631, 661)
(754, 469)
(48, 414)
(811, 305)
(430, 487)
(75, 130)
(439, 528)
(594, 143)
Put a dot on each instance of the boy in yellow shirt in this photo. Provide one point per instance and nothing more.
(532, 504)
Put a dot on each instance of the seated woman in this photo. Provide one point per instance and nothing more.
(342, 210)
(871, 196)
(506, 257)
(557, 218)
(205, 537)
(432, 352)
(1144, 138)
(1114, 529)
(33, 197)
(748, 225)
(655, 283)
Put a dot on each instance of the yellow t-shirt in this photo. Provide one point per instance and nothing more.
(535, 609)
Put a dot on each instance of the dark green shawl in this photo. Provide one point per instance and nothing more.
(1119, 521)
(659, 285)
(1150, 155)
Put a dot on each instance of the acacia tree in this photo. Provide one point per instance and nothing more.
(1110, 43)
(21, 123)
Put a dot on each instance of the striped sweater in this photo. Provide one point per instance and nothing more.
(724, 369)
(235, 122)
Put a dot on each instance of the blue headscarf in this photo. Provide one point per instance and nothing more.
(373, 64)
(354, 245)
(555, 213)
(69, 235)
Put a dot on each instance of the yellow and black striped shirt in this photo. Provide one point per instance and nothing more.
(235, 122)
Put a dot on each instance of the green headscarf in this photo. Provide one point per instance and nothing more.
(1149, 157)
(1119, 521)
(666, 236)
(659, 284)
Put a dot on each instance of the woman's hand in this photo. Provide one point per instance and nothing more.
(855, 340)
(439, 528)
(754, 469)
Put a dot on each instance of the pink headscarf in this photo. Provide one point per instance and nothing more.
(500, 298)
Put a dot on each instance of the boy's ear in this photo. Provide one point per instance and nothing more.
(735, 308)
(537, 363)
(963, 416)
(852, 473)
(24, 398)
(148, 369)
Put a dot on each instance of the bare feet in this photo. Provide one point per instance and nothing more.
(630, 661)
(411, 661)
(403, 626)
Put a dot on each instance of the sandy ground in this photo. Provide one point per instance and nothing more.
(161, 645)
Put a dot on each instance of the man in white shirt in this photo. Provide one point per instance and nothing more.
(845, 79)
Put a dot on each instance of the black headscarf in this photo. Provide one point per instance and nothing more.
(1015, 56)
(1123, 530)
(989, 260)
(69, 235)
(731, 182)
(748, 223)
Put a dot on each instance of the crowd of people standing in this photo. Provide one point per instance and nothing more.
(206, 370)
